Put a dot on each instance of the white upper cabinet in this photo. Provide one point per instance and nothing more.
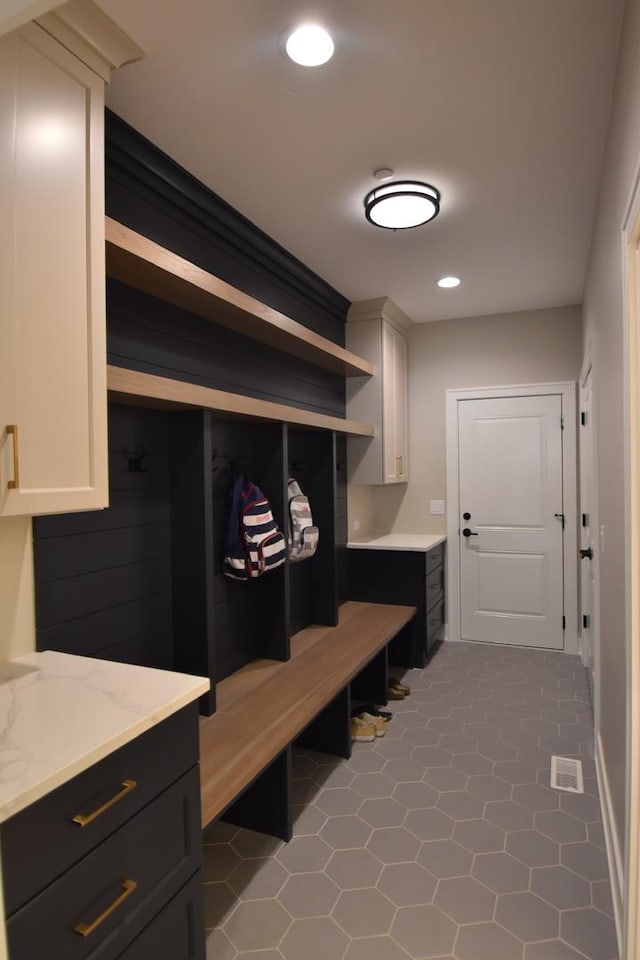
(53, 434)
(376, 330)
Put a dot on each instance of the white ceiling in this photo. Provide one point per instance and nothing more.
(502, 104)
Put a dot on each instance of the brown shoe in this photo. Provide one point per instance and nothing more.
(401, 687)
(393, 693)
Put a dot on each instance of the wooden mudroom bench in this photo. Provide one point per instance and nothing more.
(265, 706)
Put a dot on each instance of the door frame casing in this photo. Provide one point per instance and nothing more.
(567, 390)
(589, 367)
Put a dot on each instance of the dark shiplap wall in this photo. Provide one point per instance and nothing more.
(148, 335)
(149, 192)
(104, 579)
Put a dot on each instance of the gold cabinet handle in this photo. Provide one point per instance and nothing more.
(85, 929)
(12, 430)
(83, 819)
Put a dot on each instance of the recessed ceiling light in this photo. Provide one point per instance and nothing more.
(448, 282)
(309, 45)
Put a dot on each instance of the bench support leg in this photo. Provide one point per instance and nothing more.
(330, 732)
(370, 685)
(265, 805)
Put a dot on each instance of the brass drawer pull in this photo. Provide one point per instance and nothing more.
(82, 820)
(12, 430)
(85, 929)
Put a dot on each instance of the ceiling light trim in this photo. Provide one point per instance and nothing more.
(402, 204)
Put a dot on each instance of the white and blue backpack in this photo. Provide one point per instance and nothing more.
(254, 544)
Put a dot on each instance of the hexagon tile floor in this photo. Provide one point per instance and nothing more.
(441, 840)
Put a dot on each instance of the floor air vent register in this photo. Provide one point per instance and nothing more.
(566, 774)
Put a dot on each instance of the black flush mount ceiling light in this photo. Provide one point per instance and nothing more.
(402, 204)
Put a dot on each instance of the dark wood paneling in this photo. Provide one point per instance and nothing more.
(143, 625)
(142, 580)
(342, 531)
(103, 578)
(63, 557)
(313, 582)
(79, 596)
(127, 508)
(148, 335)
(191, 541)
(149, 192)
(251, 617)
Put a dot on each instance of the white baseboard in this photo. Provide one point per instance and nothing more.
(612, 840)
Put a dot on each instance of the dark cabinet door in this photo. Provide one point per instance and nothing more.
(96, 908)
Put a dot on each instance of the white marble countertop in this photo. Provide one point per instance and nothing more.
(399, 541)
(60, 714)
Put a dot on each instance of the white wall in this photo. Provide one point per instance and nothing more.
(603, 315)
(17, 621)
(528, 347)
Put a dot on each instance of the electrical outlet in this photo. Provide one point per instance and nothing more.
(356, 525)
(437, 508)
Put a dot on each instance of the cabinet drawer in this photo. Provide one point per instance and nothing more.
(435, 586)
(435, 623)
(46, 828)
(177, 933)
(435, 557)
(158, 851)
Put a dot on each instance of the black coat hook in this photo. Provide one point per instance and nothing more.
(134, 460)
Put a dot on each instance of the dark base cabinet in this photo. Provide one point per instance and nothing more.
(413, 577)
(177, 933)
(111, 851)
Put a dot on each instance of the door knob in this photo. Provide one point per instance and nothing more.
(466, 515)
(586, 554)
(469, 533)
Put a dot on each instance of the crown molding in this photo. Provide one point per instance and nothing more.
(81, 27)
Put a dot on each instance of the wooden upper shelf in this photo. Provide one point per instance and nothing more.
(145, 265)
(147, 389)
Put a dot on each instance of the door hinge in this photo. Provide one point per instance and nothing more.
(564, 623)
(585, 519)
(586, 621)
(561, 422)
(583, 418)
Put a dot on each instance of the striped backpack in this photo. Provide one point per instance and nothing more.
(254, 544)
(303, 535)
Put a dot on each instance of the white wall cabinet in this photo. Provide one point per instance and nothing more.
(53, 434)
(376, 330)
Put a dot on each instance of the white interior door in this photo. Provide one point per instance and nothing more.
(511, 520)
